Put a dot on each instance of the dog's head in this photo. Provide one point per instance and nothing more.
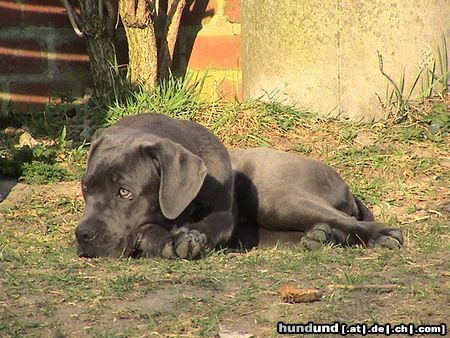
(133, 179)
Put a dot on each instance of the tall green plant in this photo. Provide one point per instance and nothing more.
(443, 64)
(398, 102)
(175, 97)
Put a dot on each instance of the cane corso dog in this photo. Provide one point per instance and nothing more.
(281, 192)
(155, 186)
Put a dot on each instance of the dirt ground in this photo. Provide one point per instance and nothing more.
(46, 290)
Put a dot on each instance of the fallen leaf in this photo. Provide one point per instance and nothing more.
(292, 294)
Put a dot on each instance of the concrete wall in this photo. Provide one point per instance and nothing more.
(42, 58)
(322, 55)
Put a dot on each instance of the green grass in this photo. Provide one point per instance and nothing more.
(404, 101)
(41, 163)
(398, 170)
(177, 97)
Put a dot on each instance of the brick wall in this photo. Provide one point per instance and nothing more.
(42, 59)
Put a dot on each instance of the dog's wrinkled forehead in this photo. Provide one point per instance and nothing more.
(109, 141)
(113, 151)
(115, 143)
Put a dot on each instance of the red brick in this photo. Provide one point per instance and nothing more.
(198, 12)
(233, 10)
(71, 55)
(48, 13)
(22, 56)
(230, 91)
(10, 13)
(34, 96)
(28, 97)
(215, 52)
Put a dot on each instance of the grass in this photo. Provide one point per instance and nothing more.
(399, 103)
(176, 97)
(40, 163)
(396, 168)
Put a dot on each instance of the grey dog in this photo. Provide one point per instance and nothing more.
(155, 186)
(281, 192)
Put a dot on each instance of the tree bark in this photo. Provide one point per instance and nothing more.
(99, 40)
(142, 51)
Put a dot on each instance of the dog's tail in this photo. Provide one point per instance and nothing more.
(364, 213)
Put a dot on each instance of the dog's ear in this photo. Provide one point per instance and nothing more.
(95, 141)
(97, 134)
(182, 175)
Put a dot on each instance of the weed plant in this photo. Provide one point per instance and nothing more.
(430, 106)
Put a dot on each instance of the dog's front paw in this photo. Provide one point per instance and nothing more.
(389, 238)
(168, 250)
(189, 243)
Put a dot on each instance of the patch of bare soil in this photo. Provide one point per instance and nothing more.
(14, 193)
(237, 295)
(119, 313)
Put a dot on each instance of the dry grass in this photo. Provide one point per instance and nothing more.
(402, 176)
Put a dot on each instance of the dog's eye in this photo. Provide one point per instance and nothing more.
(84, 190)
(125, 194)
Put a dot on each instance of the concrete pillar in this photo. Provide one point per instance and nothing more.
(322, 55)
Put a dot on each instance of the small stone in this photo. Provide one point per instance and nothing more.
(227, 333)
(446, 208)
(365, 138)
(11, 131)
(87, 133)
(25, 139)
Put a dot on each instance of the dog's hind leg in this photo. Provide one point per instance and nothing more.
(324, 224)
(322, 234)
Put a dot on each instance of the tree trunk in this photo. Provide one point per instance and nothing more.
(142, 52)
(100, 48)
(169, 37)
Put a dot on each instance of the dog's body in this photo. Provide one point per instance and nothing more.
(155, 186)
(278, 191)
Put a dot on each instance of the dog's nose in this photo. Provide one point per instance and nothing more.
(84, 234)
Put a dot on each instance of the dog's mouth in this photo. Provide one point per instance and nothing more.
(83, 255)
(132, 248)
